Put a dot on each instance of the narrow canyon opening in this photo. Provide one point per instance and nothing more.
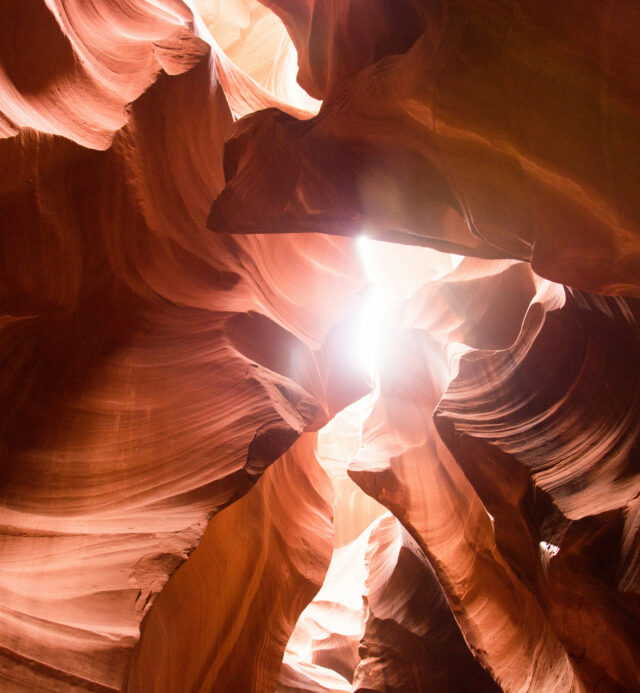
(319, 346)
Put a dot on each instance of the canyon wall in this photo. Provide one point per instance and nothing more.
(204, 484)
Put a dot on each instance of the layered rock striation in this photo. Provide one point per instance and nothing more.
(205, 483)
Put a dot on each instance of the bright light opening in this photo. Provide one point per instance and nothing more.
(371, 323)
(394, 272)
(550, 549)
(370, 329)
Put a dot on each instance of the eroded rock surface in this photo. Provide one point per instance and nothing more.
(181, 296)
(493, 129)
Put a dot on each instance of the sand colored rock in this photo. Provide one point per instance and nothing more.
(489, 129)
(411, 640)
(140, 393)
(558, 508)
(224, 619)
(242, 449)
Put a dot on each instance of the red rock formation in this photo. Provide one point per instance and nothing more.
(492, 129)
(162, 382)
(224, 619)
(405, 465)
(71, 68)
(151, 371)
(411, 641)
(558, 496)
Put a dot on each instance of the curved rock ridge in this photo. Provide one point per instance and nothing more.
(71, 68)
(140, 392)
(522, 515)
(380, 620)
(411, 641)
(256, 41)
(404, 464)
(223, 621)
(323, 30)
(322, 652)
(490, 129)
(380, 623)
(256, 399)
(554, 465)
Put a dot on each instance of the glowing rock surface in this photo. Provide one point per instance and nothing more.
(242, 450)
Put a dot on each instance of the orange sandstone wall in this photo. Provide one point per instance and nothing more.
(179, 296)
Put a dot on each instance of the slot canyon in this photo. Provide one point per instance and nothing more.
(320, 346)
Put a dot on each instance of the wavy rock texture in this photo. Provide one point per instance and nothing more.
(559, 497)
(166, 388)
(151, 372)
(411, 641)
(322, 652)
(257, 42)
(405, 465)
(70, 68)
(380, 623)
(485, 128)
(223, 621)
